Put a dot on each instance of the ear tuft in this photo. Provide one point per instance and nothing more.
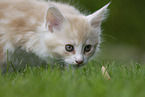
(53, 18)
(96, 18)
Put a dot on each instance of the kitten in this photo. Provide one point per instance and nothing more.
(33, 31)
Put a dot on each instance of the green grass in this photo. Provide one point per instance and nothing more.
(127, 80)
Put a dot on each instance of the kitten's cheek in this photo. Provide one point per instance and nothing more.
(68, 61)
(85, 60)
(90, 54)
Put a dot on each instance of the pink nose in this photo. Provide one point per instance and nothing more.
(79, 61)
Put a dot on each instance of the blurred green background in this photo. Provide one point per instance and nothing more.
(123, 31)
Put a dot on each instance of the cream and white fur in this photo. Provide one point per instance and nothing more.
(43, 29)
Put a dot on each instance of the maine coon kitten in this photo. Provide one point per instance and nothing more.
(32, 30)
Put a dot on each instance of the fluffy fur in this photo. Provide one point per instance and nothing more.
(30, 28)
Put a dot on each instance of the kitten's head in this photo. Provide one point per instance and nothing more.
(73, 38)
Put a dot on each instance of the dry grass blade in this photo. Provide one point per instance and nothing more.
(105, 73)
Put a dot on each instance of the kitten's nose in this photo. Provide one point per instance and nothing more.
(79, 61)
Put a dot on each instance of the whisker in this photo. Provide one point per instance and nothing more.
(104, 35)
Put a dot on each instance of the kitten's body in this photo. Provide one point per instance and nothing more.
(43, 30)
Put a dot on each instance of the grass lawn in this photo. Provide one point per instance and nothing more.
(127, 80)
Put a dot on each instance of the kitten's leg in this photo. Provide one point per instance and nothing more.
(1, 54)
(2, 59)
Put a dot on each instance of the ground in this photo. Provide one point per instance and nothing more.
(127, 80)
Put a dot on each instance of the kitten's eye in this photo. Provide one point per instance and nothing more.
(69, 48)
(87, 48)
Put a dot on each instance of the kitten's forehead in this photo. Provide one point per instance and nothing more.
(80, 27)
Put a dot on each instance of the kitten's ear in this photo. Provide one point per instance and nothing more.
(96, 18)
(53, 18)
